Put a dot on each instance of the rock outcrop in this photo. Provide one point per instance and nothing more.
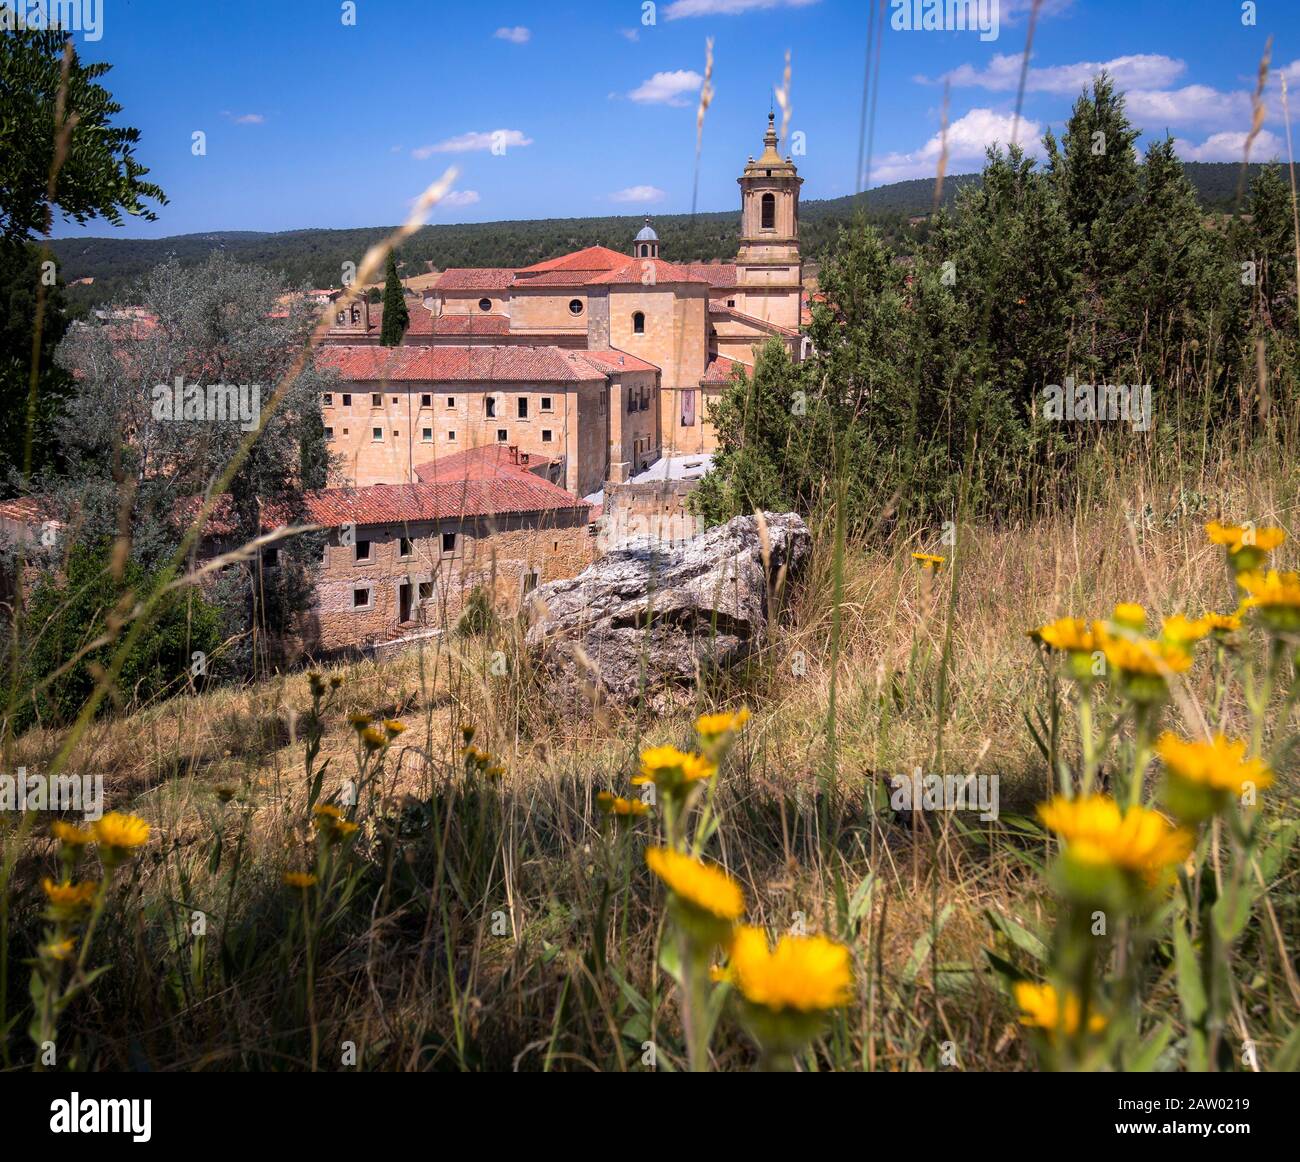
(647, 619)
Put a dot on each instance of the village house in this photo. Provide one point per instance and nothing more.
(601, 360)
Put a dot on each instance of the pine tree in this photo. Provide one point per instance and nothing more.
(396, 317)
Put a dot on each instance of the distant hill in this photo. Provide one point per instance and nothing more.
(317, 256)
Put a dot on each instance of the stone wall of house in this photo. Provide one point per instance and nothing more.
(656, 509)
(507, 555)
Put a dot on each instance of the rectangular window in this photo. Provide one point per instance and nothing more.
(329, 399)
(502, 435)
(489, 407)
(362, 551)
(405, 547)
(548, 404)
(451, 436)
(426, 434)
(376, 400)
(546, 435)
(451, 401)
(688, 408)
(347, 400)
(361, 597)
(448, 543)
(523, 407)
(329, 433)
(426, 590)
(530, 580)
(377, 434)
(426, 401)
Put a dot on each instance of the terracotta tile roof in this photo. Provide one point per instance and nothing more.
(511, 494)
(720, 370)
(554, 278)
(615, 360)
(716, 274)
(485, 462)
(450, 364)
(732, 313)
(633, 270)
(475, 278)
(591, 258)
(26, 509)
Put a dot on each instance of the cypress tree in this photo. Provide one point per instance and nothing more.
(396, 317)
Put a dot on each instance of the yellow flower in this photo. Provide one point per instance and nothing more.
(1140, 842)
(1276, 596)
(372, 738)
(324, 811)
(809, 974)
(301, 880)
(393, 727)
(1130, 615)
(69, 834)
(68, 898)
(709, 726)
(345, 827)
(1248, 547)
(672, 770)
(928, 561)
(1183, 633)
(703, 887)
(359, 721)
(616, 805)
(58, 949)
(1222, 624)
(316, 684)
(1070, 634)
(1143, 665)
(120, 834)
(1040, 1008)
(1204, 776)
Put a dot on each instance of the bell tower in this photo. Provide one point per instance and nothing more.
(769, 271)
(646, 243)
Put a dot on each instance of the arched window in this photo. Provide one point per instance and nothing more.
(769, 212)
(638, 323)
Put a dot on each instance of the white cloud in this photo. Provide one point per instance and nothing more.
(475, 142)
(640, 194)
(668, 88)
(244, 118)
(968, 137)
(1230, 146)
(517, 35)
(1002, 74)
(1154, 111)
(630, 34)
(460, 198)
(682, 8)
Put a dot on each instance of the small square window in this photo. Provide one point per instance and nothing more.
(451, 401)
(347, 400)
(376, 400)
(426, 590)
(405, 547)
(426, 434)
(523, 407)
(502, 435)
(547, 403)
(530, 580)
(361, 597)
(329, 433)
(377, 434)
(345, 431)
(451, 436)
(448, 542)
(329, 399)
(426, 401)
(546, 435)
(362, 551)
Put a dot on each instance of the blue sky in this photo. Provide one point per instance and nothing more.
(314, 122)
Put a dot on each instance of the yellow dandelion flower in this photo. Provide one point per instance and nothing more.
(703, 887)
(372, 738)
(673, 771)
(710, 726)
(1096, 833)
(1222, 624)
(1276, 596)
(928, 561)
(358, 721)
(393, 727)
(58, 949)
(300, 880)
(120, 834)
(1066, 634)
(617, 805)
(324, 811)
(1248, 547)
(1040, 1008)
(70, 834)
(808, 974)
(1204, 776)
(1130, 615)
(1183, 632)
(68, 897)
(345, 827)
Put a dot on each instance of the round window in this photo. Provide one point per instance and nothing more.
(485, 304)
(575, 306)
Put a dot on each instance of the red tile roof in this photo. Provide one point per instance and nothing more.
(720, 370)
(442, 500)
(457, 364)
(716, 274)
(634, 270)
(615, 360)
(475, 278)
(591, 258)
(485, 462)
